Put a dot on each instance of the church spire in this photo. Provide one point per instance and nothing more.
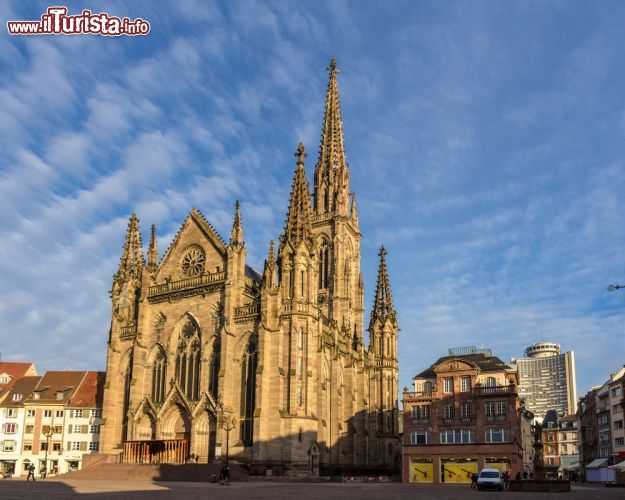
(269, 273)
(236, 235)
(332, 171)
(383, 304)
(298, 219)
(131, 260)
(152, 251)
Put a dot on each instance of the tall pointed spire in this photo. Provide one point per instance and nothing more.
(270, 272)
(383, 304)
(236, 235)
(152, 251)
(132, 260)
(298, 219)
(332, 171)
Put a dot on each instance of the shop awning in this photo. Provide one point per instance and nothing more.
(596, 463)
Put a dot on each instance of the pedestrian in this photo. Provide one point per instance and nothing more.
(525, 474)
(227, 476)
(506, 479)
(222, 475)
(31, 472)
(474, 477)
(518, 476)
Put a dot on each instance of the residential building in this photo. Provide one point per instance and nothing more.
(617, 430)
(10, 372)
(560, 445)
(12, 414)
(600, 416)
(58, 417)
(199, 333)
(463, 415)
(547, 379)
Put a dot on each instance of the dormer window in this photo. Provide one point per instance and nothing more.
(36, 395)
(59, 395)
(17, 397)
(4, 379)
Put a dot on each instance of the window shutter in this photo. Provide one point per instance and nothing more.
(84, 429)
(83, 446)
(69, 446)
(69, 429)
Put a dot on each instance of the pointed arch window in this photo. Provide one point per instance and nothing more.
(159, 370)
(188, 357)
(215, 366)
(126, 403)
(249, 365)
(323, 266)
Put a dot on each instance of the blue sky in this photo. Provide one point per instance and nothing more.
(486, 142)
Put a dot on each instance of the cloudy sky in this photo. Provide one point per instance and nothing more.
(486, 142)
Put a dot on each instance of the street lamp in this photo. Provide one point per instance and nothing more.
(226, 421)
(48, 435)
(612, 288)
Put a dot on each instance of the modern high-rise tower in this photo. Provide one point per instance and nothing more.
(547, 379)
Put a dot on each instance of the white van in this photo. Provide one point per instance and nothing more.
(490, 479)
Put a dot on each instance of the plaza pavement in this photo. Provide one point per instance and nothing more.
(116, 490)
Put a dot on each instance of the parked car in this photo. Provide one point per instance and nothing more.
(490, 479)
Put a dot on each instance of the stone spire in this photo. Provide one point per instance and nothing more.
(332, 171)
(383, 304)
(269, 273)
(354, 211)
(236, 235)
(131, 261)
(152, 251)
(298, 219)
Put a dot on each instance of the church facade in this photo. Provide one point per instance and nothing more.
(207, 357)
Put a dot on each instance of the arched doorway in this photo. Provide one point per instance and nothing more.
(182, 426)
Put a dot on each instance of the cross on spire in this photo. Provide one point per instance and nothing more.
(332, 171)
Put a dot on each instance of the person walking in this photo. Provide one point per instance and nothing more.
(31, 472)
(474, 477)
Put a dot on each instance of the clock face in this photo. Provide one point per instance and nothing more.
(192, 261)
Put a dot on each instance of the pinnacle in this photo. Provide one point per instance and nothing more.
(383, 304)
(298, 219)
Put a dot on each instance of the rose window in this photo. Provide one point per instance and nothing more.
(192, 262)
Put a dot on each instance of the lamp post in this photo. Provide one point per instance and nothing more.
(48, 435)
(227, 422)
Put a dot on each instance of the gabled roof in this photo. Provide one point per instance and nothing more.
(14, 371)
(23, 386)
(64, 382)
(205, 227)
(90, 393)
(484, 363)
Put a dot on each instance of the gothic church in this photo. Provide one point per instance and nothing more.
(208, 358)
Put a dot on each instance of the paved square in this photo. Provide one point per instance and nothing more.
(95, 490)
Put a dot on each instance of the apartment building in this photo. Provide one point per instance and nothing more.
(560, 445)
(12, 415)
(600, 416)
(464, 414)
(10, 372)
(57, 421)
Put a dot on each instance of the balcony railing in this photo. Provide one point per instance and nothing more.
(496, 390)
(420, 421)
(128, 332)
(410, 396)
(249, 310)
(186, 284)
